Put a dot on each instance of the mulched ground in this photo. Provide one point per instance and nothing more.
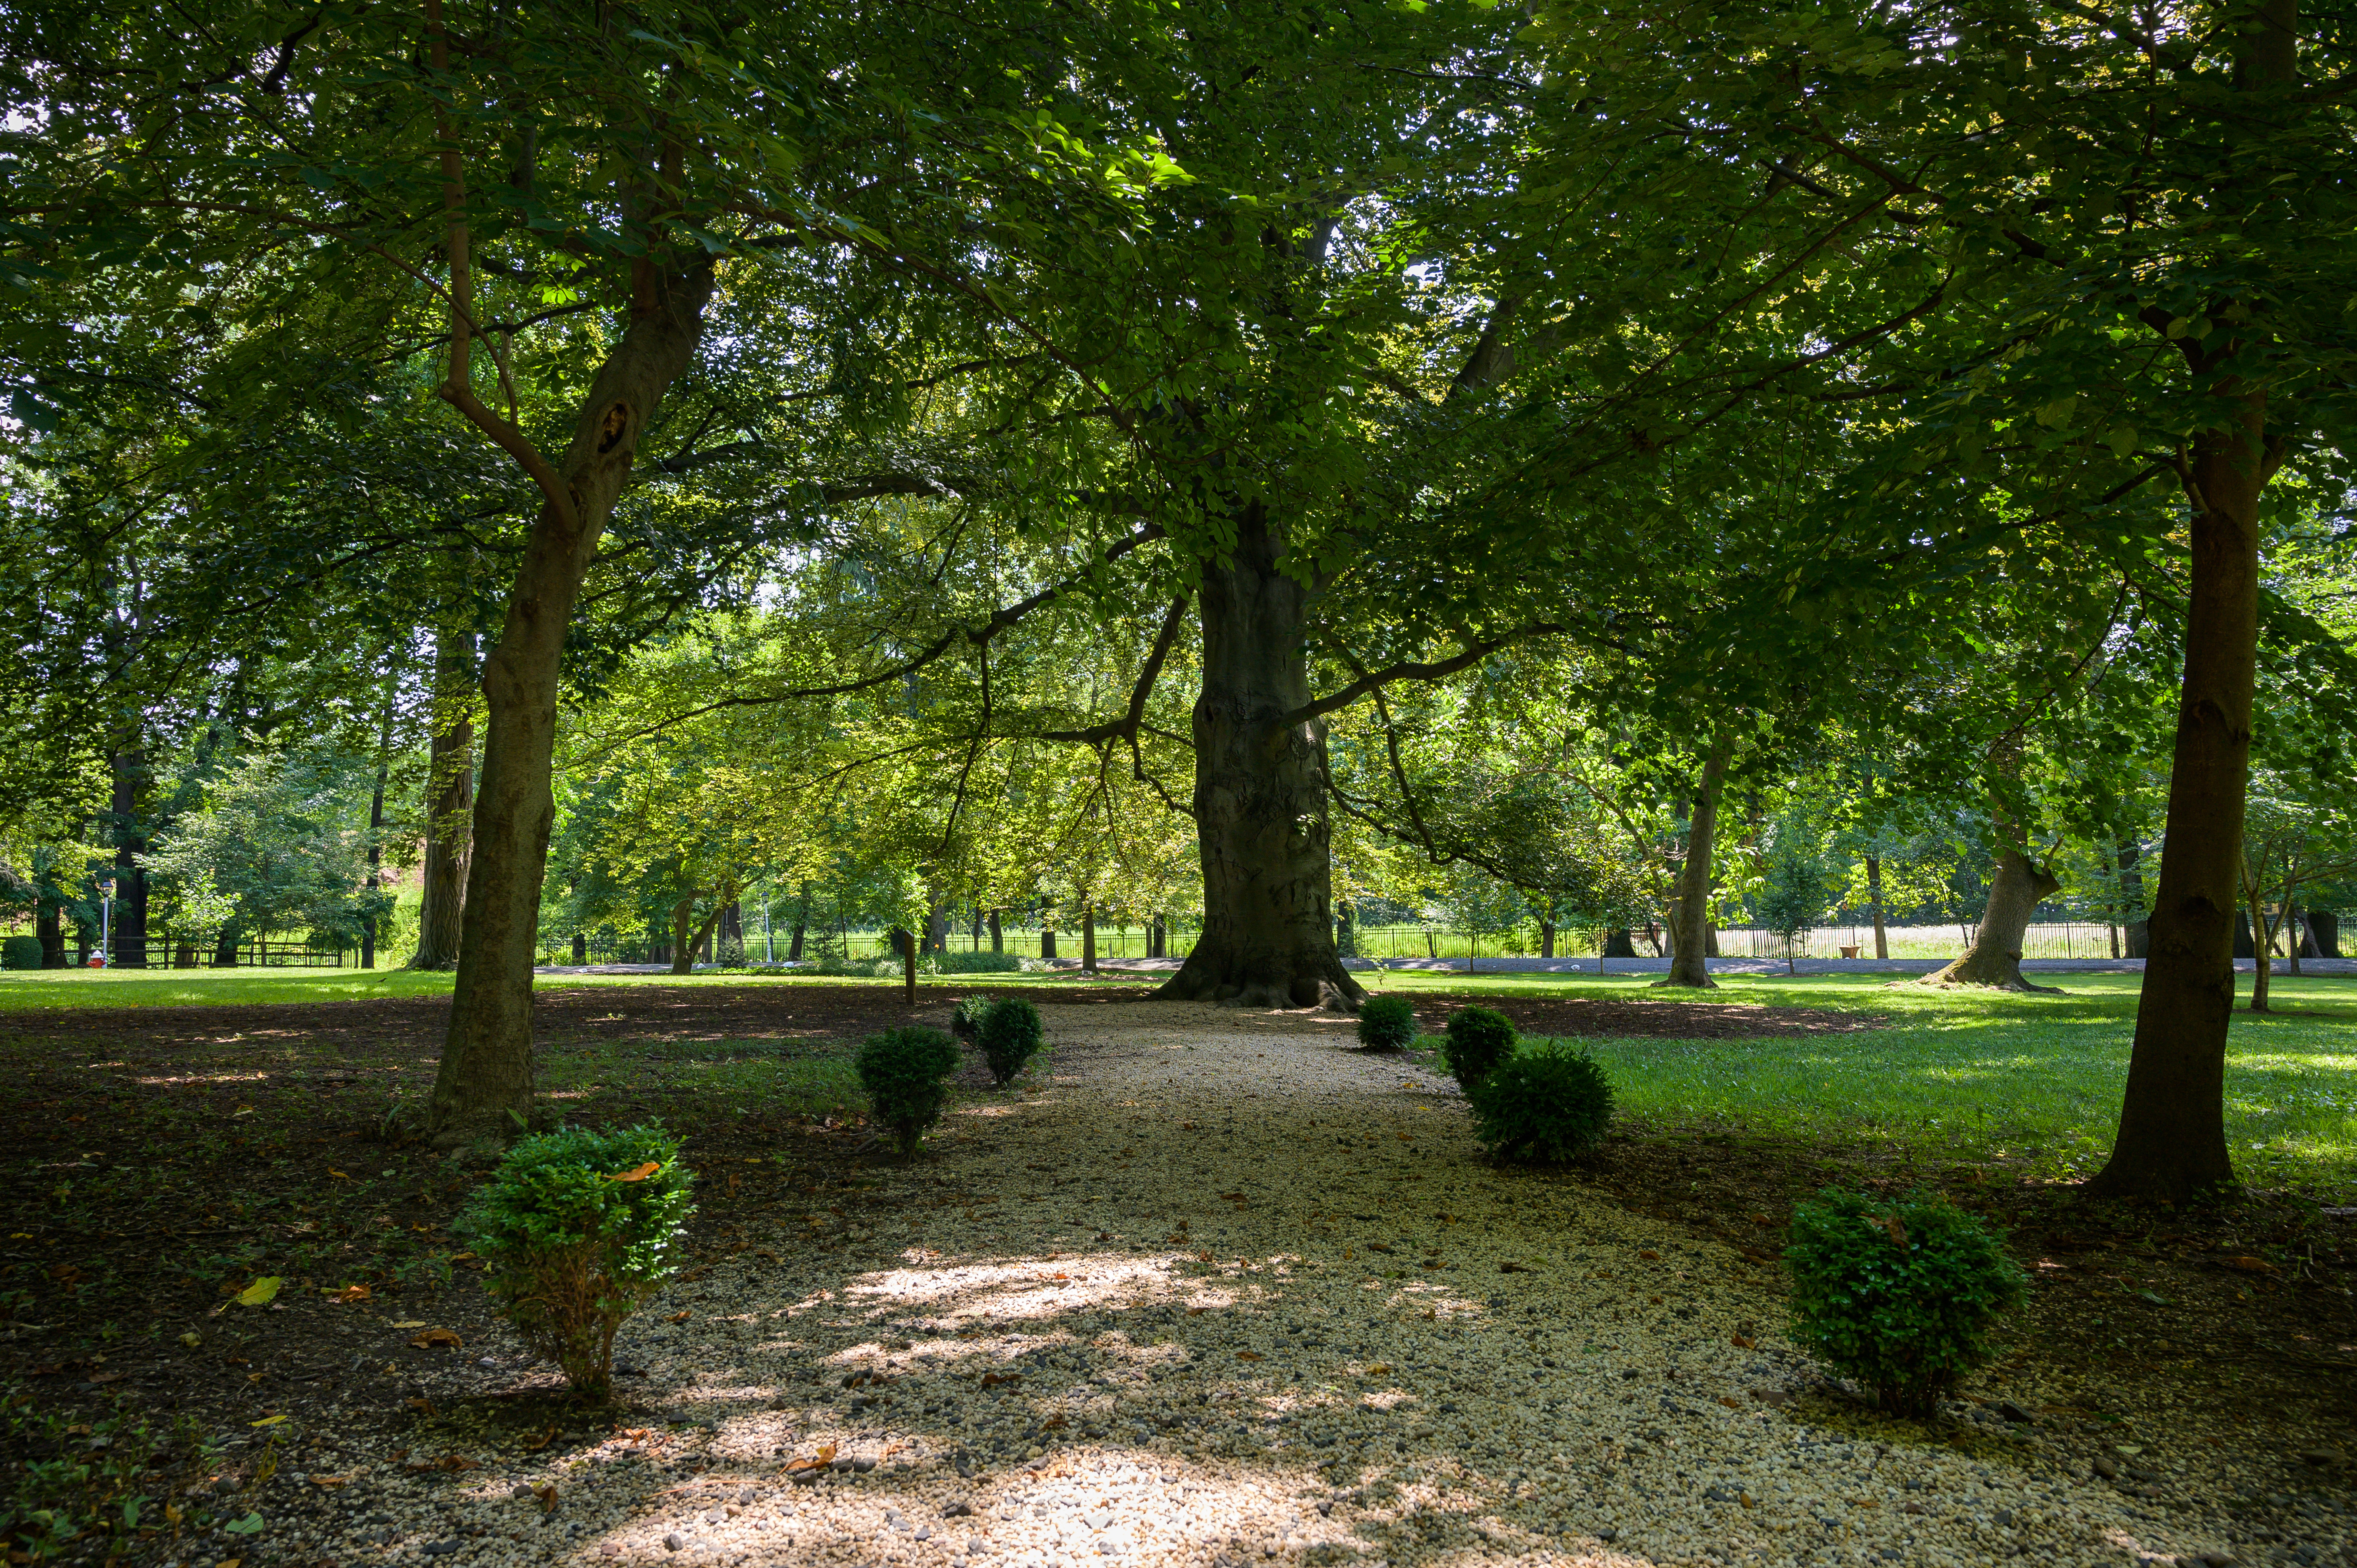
(2254, 1298)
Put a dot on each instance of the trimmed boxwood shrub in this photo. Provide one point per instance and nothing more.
(1547, 1105)
(906, 1073)
(1479, 1040)
(1008, 1033)
(965, 1018)
(1902, 1296)
(1386, 1023)
(20, 953)
(577, 1228)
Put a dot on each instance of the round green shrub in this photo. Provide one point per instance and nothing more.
(20, 953)
(906, 1073)
(577, 1228)
(1386, 1023)
(1008, 1034)
(965, 1018)
(1547, 1105)
(1901, 1296)
(1479, 1040)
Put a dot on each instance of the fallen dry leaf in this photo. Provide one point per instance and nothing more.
(349, 1293)
(1741, 1342)
(1247, 1355)
(2251, 1265)
(637, 1173)
(330, 1482)
(1649, 1255)
(679, 1316)
(534, 1444)
(414, 1322)
(433, 1337)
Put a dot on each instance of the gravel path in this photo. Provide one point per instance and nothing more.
(1219, 1290)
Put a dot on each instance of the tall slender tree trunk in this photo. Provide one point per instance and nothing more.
(1874, 893)
(1688, 957)
(2172, 1134)
(484, 1086)
(1260, 795)
(376, 822)
(1089, 937)
(998, 934)
(1546, 939)
(450, 804)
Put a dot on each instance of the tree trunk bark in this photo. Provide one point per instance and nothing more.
(1617, 943)
(375, 856)
(484, 1086)
(1260, 795)
(129, 937)
(2016, 890)
(683, 944)
(1089, 938)
(2324, 931)
(1874, 891)
(801, 924)
(1546, 939)
(450, 799)
(1047, 941)
(2172, 1134)
(998, 934)
(50, 928)
(1688, 955)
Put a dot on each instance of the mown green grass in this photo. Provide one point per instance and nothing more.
(24, 989)
(2033, 1080)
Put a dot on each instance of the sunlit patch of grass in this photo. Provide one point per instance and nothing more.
(22, 990)
(2034, 1081)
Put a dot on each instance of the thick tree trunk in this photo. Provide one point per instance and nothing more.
(1617, 943)
(1047, 941)
(2243, 947)
(2324, 931)
(801, 924)
(50, 929)
(1688, 956)
(449, 803)
(1874, 892)
(1260, 795)
(2173, 1135)
(1089, 938)
(2016, 890)
(484, 1086)
(1546, 939)
(998, 934)
(129, 937)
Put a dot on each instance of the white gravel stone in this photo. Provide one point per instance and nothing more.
(1218, 1288)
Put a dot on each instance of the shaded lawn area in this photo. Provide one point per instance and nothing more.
(2032, 1082)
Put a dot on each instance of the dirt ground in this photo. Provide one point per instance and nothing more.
(165, 1159)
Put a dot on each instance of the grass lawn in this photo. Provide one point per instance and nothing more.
(2033, 1082)
(23, 989)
